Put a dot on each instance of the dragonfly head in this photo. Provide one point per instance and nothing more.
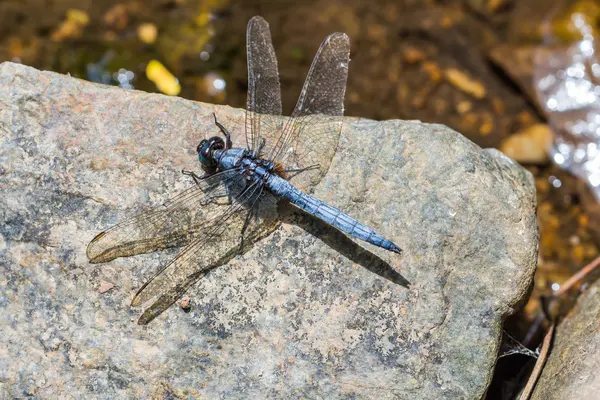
(206, 149)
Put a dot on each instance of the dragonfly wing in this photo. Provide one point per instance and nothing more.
(166, 300)
(261, 226)
(167, 226)
(310, 137)
(264, 92)
(216, 243)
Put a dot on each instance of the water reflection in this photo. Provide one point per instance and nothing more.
(567, 80)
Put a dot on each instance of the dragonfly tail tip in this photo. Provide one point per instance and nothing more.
(396, 249)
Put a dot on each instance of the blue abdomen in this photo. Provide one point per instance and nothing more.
(328, 214)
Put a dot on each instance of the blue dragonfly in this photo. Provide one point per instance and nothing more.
(235, 202)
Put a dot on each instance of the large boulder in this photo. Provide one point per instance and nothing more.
(305, 313)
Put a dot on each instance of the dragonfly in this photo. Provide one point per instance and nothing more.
(235, 201)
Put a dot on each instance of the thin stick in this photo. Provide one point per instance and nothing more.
(539, 364)
(580, 275)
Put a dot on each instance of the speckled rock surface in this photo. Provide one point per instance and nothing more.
(572, 370)
(301, 314)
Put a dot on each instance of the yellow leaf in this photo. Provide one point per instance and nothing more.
(78, 17)
(165, 81)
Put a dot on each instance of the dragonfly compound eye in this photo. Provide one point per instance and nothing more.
(205, 151)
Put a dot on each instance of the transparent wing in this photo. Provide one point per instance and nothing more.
(309, 138)
(170, 225)
(264, 93)
(218, 242)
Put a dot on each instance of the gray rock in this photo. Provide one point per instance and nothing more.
(305, 313)
(572, 370)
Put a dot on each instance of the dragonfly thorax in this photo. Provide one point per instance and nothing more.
(253, 165)
(246, 162)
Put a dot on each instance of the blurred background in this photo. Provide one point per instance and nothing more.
(518, 75)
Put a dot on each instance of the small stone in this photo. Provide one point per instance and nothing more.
(117, 17)
(464, 106)
(465, 83)
(147, 33)
(487, 7)
(530, 145)
(184, 303)
(78, 17)
(487, 124)
(433, 70)
(412, 55)
(72, 26)
(105, 286)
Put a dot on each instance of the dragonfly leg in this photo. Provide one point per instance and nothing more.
(197, 178)
(263, 141)
(228, 143)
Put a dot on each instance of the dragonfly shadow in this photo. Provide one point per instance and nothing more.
(341, 243)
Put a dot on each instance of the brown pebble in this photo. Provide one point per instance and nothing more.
(465, 83)
(413, 55)
(530, 145)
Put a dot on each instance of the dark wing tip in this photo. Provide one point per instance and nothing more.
(91, 251)
(135, 301)
(147, 317)
(140, 297)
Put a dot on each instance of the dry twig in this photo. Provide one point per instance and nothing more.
(539, 365)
